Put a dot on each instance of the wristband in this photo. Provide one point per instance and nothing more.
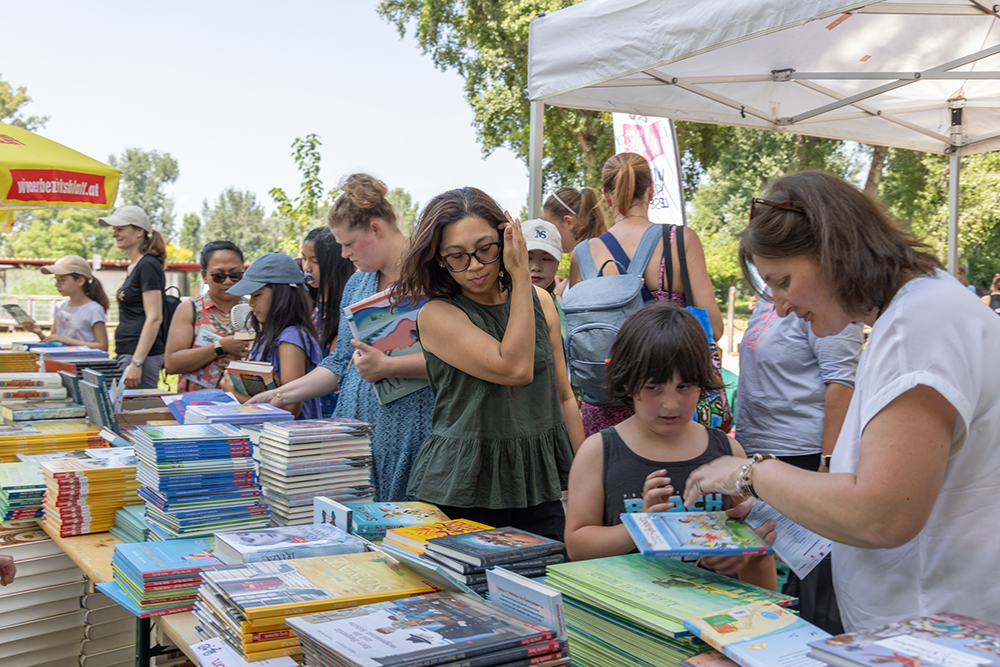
(824, 460)
(219, 352)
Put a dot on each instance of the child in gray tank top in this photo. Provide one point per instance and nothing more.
(660, 366)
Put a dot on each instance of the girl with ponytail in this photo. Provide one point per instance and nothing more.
(81, 320)
(576, 214)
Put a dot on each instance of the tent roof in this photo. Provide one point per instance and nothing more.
(879, 72)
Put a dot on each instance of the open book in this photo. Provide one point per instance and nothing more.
(251, 377)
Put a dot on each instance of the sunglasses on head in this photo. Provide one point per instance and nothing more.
(773, 204)
(235, 276)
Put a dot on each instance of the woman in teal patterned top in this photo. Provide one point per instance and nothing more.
(364, 224)
(505, 419)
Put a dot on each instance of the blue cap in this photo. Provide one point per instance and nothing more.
(272, 268)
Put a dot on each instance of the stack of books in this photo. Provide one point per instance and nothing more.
(82, 495)
(22, 489)
(372, 520)
(197, 480)
(18, 361)
(130, 524)
(414, 538)
(436, 629)
(304, 459)
(248, 605)
(257, 413)
(77, 359)
(159, 578)
(467, 556)
(630, 610)
(48, 436)
(284, 543)
(108, 637)
(41, 622)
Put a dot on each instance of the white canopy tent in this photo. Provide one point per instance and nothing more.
(920, 75)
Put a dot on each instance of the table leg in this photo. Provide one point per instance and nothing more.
(142, 631)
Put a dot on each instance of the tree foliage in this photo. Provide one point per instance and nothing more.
(190, 237)
(304, 211)
(144, 177)
(236, 216)
(48, 233)
(402, 202)
(12, 101)
(486, 42)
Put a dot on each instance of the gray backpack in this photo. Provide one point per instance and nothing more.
(596, 308)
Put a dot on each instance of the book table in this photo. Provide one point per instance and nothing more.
(92, 554)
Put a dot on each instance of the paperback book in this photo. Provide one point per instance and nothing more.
(284, 543)
(41, 409)
(371, 520)
(255, 413)
(415, 537)
(495, 546)
(251, 377)
(692, 534)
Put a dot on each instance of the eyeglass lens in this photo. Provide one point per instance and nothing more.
(460, 261)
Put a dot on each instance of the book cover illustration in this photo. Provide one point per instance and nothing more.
(371, 520)
(190, 432)
(392, 331)
(421, 630)
(305, 585)
(179, 403)
(170, 557)
(19, 314)
(937, 640)
(42, 409)
(285, 542)
(416, 537)
(495, 546)
(251, 377)
(14, 380)
(692, 534)
(758, 635)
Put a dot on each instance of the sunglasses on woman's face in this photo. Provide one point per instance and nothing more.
(235, 276)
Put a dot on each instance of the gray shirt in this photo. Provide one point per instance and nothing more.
(784, 371)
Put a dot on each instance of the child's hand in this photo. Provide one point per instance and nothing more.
(515, 249)
(729, 566)
(54, 339)
(656, 492)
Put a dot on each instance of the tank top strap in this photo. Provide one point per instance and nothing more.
(719, 444)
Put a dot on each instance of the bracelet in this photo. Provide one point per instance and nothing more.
(744, 483)
(277, 395)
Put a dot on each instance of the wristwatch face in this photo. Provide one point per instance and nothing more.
(136, 363)
(218, 349)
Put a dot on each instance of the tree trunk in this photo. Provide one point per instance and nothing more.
(879, 153)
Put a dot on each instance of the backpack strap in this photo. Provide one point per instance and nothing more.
(685, 278)
(668, 259)
(585, 261)
(637, 265)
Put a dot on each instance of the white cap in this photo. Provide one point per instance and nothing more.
(542, 235)
(127, 215)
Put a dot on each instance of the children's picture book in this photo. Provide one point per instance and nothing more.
(217, 653)
(30, 410)
(938, 640)
(431, 571)
(424, 630)
(251, 377)
(236, 414)
(19, 314)
(709, 658)
(391, 330)
(758, 635)
(31, 394)
(170, 558)
(415, 537)
(531, 600)
(371, 520)
(306, 585)
(179, 403)
(284, 543)
(692, 534)
(797, 547)
(22, 380)
(494, 547)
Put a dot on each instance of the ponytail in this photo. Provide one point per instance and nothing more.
(626, 177)
(95, 291)
(155, 245)
(583, 204)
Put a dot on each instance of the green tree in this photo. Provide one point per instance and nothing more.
(304, 211)
(236, 216)
(404, 206)
(144, 177)
(190, 237)
(486, 42)
(11, 102)
(47, 233)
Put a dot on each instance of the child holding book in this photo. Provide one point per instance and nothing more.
(505, 419)
(286, 338)
(81, 320)
(660, 366)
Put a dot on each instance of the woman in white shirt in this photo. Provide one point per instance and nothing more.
(908, 499)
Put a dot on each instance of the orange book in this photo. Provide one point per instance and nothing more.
(415, 538)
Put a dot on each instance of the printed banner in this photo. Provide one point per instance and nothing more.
(653, 138)
(55, 186)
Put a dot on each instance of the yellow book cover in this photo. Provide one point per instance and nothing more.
(250, 648)
(415, 537)
(273, 653)
(111, 468)
(307, 585)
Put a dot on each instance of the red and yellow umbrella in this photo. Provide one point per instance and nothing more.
(38, 173)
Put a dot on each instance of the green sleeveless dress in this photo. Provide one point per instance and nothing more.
(494, 446)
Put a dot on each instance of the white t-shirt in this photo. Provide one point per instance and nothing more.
(78, 323)
(937, 334)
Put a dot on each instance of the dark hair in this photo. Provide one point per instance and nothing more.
(334, 271)
(626, 177)
(422, 274)
(362, 199)
(291, 306)
(153, 244)
(584, 204)
(996, 284)
(862, 252)
(655, 341)
(93, 289)
(213, 247)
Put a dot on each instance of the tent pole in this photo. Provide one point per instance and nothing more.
(536, 119)
(953, 173)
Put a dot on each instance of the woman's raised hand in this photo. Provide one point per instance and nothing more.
(515, 250)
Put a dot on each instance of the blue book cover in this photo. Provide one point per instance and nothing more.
(179, 403)
(692, 534)
(938, 640)
(253, 507)
(114, 591)
(189, 432)
(761, 634)
(187, 503)
(177, 557)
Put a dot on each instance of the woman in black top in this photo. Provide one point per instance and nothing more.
(138, 342)
(993, 298)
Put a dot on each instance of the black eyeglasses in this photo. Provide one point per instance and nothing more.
(235, 276)
(773, 204)
(456, 262)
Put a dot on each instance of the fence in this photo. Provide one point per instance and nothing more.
(41, 307)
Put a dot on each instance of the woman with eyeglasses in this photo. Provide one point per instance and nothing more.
(506, 421)
(908, 500)
(201, 344)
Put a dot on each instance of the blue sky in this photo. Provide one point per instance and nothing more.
(225, 87)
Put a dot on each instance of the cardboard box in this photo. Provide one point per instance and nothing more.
(141, 410)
